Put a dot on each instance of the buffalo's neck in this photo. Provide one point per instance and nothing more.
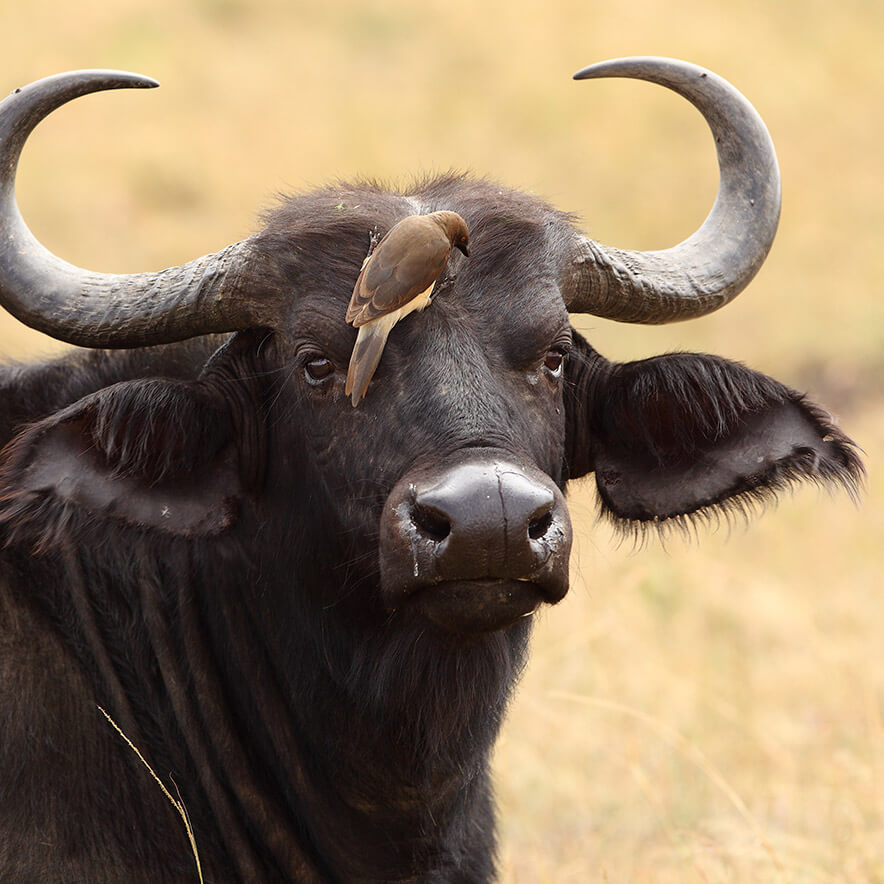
(388, 736)
(304, 744)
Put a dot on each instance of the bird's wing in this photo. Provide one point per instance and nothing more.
(406, 263)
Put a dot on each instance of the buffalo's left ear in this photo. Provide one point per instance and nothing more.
(676, 435)
(155, 454)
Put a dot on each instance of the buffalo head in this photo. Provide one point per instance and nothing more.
(439, 499)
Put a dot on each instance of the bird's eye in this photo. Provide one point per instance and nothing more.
(317, 369)
(554, 362)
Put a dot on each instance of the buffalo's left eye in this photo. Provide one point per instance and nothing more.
(318, 369)
(554, 362)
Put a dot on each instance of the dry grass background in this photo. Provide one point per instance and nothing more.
(708, 711)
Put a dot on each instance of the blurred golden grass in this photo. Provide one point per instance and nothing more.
(760, 653)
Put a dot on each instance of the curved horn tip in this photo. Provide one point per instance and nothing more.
(716, 262)
(126, 79)
(142, 81)
(636, 65)
(96, 79)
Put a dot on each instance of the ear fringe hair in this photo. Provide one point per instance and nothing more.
(676, 404)
(739, 505)
(155, 429)
(41, 523)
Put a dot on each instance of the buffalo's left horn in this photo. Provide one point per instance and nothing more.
(716, 263)
(96, 309)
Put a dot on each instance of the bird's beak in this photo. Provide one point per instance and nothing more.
(464, 249)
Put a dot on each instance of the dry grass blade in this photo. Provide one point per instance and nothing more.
(689, 751)
(178, 805)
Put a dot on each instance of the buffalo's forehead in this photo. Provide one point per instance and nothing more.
(506, 291)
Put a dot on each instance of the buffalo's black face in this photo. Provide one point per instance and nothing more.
(449, 472)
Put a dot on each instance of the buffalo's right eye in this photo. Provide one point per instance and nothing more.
(318, 369)
(554, 362)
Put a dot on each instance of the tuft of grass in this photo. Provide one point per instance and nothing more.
(178, 804)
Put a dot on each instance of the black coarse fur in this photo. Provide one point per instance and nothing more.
(191, 541)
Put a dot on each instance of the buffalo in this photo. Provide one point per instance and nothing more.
(307, 619)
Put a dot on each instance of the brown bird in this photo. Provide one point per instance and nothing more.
(398, 279)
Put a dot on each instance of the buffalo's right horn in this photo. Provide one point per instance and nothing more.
(96, 309)
(713, 265)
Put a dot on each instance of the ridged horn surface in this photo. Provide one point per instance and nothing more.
(713, 265)
(99, 309)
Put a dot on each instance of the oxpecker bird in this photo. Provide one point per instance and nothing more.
(397, 278)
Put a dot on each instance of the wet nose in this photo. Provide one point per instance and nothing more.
(483, 517)
(484, 520)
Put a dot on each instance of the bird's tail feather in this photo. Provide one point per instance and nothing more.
(367, 353)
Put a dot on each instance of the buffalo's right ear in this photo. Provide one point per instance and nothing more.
(153, 454)
(689, 434)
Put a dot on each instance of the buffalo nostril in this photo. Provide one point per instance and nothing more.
(540, 524)
(430, 522)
